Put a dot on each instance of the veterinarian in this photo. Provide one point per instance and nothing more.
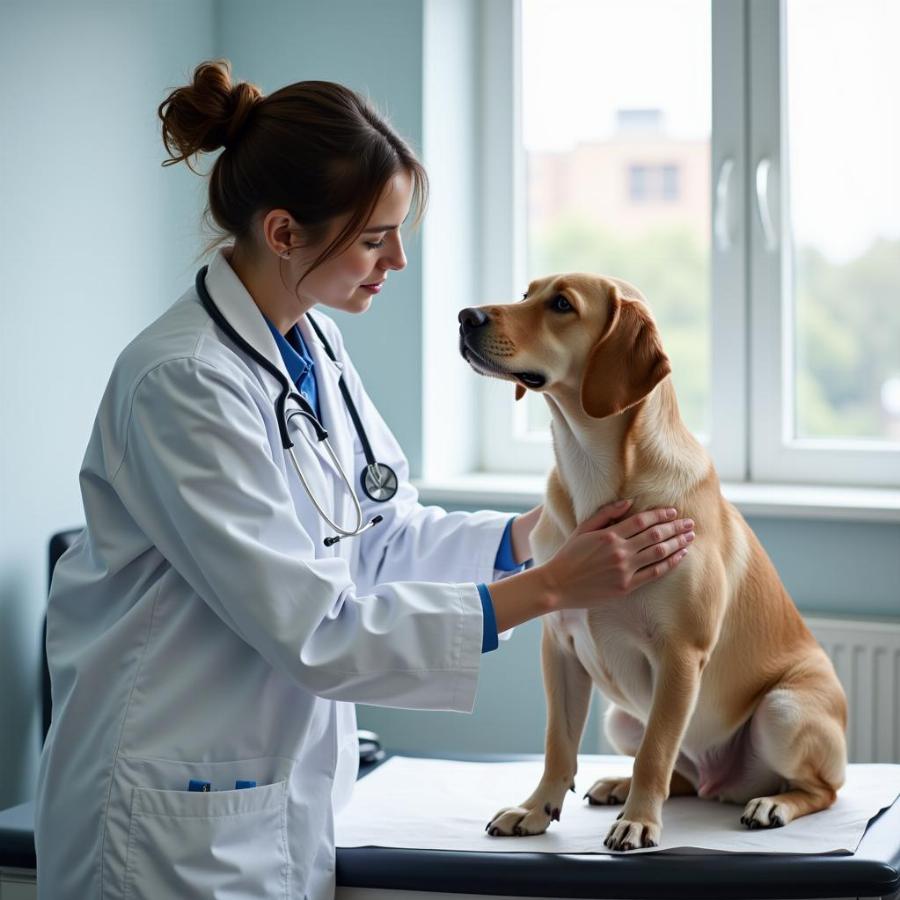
(207, 635)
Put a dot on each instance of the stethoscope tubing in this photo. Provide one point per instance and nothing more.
(356, 504)
(306, 411)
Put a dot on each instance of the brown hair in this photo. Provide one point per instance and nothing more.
(314, 148)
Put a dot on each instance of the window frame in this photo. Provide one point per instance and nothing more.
(775, 454)
(750, 397)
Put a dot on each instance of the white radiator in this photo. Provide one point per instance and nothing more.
(866, 657)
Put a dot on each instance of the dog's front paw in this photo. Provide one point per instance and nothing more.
(519, 821)
(628, 834)
(764, 812)
(608, 791)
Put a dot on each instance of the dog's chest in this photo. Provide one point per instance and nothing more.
(616, 644)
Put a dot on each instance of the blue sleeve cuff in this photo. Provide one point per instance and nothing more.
(489, 640)
(505, 560)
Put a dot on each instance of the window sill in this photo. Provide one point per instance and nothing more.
(780, 501)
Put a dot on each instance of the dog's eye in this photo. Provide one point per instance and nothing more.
(560, 304)
(525, 296)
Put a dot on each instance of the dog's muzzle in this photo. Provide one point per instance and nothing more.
(472, 335)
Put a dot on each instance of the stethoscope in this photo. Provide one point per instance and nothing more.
(378, 480)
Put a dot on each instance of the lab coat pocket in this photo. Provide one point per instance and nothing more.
(224, 844)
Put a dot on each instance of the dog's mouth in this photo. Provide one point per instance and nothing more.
(485, 366)
(531, 379)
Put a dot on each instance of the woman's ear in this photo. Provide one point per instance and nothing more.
(280, 231)
(625, 364)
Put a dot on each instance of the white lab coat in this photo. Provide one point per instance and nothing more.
(199, 628)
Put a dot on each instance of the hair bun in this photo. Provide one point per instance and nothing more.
(207, 114)
(244, 98)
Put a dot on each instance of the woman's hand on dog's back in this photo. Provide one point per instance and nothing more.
(606, 557)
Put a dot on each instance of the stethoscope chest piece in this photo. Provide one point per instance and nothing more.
(379, 482)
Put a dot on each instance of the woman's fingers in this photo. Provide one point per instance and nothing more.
(657, 534)
(605, 515)
(634, 525)
(657, 570)
(678, 537)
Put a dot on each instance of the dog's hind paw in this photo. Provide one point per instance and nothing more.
(762, 812)
(517, 821)
(608, 791)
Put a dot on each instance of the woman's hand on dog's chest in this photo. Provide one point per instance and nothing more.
(606, 557)
(609, 556)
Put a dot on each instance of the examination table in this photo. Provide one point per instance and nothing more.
(373, 873)
(379, 874)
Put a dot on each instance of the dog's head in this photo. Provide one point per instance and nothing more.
(570, 332)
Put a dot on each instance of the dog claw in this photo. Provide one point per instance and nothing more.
(764, 813)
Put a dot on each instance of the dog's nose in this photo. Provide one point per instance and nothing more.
(472, 318)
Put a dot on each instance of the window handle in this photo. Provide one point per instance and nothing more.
(763, 167)
(720, 226)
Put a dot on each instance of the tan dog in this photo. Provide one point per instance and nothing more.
(717, 686)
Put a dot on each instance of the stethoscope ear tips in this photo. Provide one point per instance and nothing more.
(331, 541)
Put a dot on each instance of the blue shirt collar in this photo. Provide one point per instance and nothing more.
(294, 352)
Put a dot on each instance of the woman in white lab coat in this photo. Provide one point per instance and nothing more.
(200, 632)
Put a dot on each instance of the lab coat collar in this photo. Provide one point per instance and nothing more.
(238, 307)
(311, 339)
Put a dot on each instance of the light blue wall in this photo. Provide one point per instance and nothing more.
(96, 240)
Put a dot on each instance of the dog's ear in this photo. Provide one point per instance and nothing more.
(625, 364)
(520, 392)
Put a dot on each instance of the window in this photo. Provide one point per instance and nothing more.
(637, 184)
(670, 193)
(740, 163)
(650, 184)
(844, 128)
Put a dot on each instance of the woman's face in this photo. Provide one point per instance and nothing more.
(351, 279)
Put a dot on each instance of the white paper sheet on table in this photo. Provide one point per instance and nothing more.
(433, 804)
